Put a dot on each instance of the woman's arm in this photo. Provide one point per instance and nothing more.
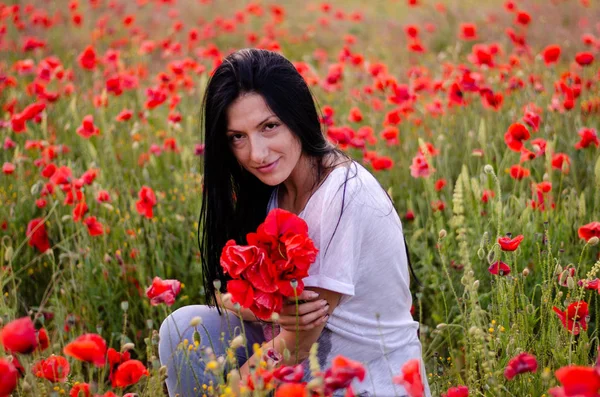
(301, 345)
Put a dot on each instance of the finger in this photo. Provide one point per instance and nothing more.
(306, 318)
(304, 308)
(292, 327)
(306, 295)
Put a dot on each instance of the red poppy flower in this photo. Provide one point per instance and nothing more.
(468, 31)
(342, 373)
(87, 127)
(43, 340)
(9, 377)
(88, 347)
(574, 318)
(355, 115)
(412, 31)
(163, 291)
(593, 285)
(519, 364)
(8, 168)
(291, 390)
(103, 196)
(291, 374)
(589, 136)
(514, 137)
(280, 224)
(262, 273)
(485, 196)
(87, 59)
(590, 230)
(19, 336)
(80, 390)
(458, 391)
(236, 258)
(584, 58)
(265, 304)
(439, 184)
(420, 167)
(508, 244)
(523, 18)
(518, 172)
(382, 163)
(125, 115)
(499, 268)
(54, 368)
(532, 119)
(561, 161)
(94, 227)
(79, 211)
(115, 359)
(146, 202)
(410, 377)
(129, 373)
(551, 54)
(438, 205)
(490, 99)
(36, 232)
(409, 215)
(456, 95)
(577, 381)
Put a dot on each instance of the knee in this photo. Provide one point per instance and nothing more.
(176, 327)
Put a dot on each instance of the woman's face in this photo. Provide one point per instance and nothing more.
(260, 142)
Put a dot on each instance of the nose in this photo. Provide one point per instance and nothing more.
(259, 151)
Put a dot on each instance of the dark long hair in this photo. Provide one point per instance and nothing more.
(234, 202)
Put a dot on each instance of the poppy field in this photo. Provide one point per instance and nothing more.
(480, 119)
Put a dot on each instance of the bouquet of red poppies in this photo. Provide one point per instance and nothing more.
(271, 266)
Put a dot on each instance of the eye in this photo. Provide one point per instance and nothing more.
(233, 138)
(271, 126)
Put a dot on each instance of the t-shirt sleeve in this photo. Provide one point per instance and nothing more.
(337, 238)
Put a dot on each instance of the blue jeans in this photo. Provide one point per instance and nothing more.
(186, 368)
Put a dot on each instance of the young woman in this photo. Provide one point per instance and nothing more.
(265, 149)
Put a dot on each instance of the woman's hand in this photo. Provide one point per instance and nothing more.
(312, 312)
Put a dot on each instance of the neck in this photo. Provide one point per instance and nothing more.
(302, 179)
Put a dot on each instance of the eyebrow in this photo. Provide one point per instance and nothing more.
(258, 125)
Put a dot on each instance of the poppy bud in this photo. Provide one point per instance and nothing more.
(442, 234)
(8, 254)
(593, 241)
(275, 317)
(476, 284)
(488, 169)
(127, 347)
(570, 282)
(525, 272)
(217, 284)
(481, 253)
(124, 306)
(162, 371)
(441, 325)
(238, 341)
(197, 337)
(196, 321)
(294, 284)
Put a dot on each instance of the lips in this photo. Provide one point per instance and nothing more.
(267, 166)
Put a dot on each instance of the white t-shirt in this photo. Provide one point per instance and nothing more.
(366, 262)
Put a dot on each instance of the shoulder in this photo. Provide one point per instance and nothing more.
(353, 186)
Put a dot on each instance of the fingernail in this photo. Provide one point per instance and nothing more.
(323, 302)
(313, 294)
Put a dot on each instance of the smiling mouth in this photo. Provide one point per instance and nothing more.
(268, 165)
